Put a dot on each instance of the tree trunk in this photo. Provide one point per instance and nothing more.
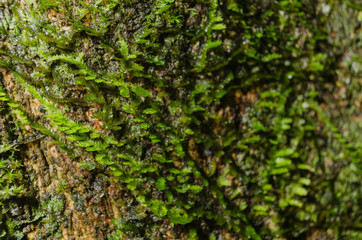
(180, 119)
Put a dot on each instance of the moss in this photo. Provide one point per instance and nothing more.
(197, 100)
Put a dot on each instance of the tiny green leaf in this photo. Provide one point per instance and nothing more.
(213, 44)
(300, 190)
(145, 125)
(141, 92)
(159, 208)
(149, 111)
(179, 216)
(282, 162)
(219, 26)
(189, 131)
(161, 184)
(124, 91)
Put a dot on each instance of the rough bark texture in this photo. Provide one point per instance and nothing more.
(180, 119)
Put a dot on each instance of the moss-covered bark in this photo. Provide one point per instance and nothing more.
(167, 119)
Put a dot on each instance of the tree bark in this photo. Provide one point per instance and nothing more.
(179, 120)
